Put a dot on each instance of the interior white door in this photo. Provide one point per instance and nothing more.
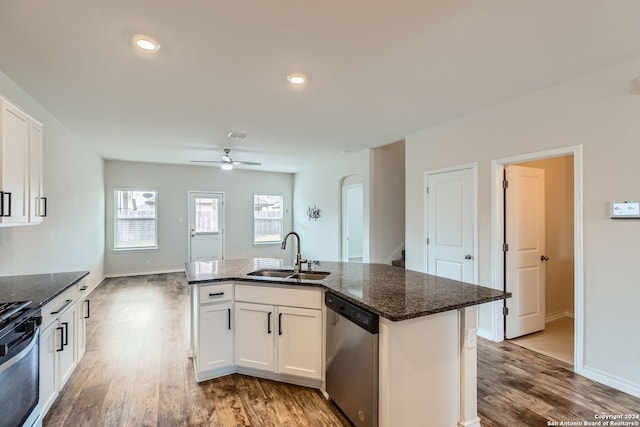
(352, 223)
(451, 225)
(524, 257)
(206, 215)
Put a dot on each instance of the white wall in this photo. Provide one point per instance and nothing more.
(173, 182)
(601, 111)
(72, 236)
(381, 171)
(322, 187)
(387, 202)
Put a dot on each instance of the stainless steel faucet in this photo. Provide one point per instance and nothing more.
(299, 260)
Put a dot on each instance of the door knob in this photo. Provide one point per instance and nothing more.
(468, 256)
(544, 258)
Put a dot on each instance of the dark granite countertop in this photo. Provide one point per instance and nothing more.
(392, 292)
(38, 288)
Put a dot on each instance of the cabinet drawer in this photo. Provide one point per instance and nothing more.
(82, 287)
(304, 298)
(53, 309)
(216, 293)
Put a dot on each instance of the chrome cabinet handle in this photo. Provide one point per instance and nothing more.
(468, 256)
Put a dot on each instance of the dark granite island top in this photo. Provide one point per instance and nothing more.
(391, 292)
(38, 288)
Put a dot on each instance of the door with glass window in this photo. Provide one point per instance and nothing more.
(206, 226)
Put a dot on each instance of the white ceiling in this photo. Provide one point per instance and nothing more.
(378, 69)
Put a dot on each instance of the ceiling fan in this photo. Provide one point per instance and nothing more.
(226, 161)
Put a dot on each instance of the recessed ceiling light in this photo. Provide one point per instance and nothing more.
(146, 43)
(296, 78)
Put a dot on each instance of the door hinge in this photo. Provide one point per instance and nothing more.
(427, 240)
(505, 247)
(427, 190)
(505, 184)
(505, 311)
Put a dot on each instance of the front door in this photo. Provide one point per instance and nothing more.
(206, 214)
(524, 256)
(451, 230)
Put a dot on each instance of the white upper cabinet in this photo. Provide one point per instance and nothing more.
(14, 139)
(22, 199)
(37, 201)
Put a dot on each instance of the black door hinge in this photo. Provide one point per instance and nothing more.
(505, 311)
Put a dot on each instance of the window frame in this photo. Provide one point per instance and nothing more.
(116, 220)
(253, 205)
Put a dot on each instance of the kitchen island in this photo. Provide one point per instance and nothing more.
(427, 331)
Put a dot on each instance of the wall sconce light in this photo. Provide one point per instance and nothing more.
(313, 213)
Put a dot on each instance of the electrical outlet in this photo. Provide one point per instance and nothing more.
(472, 337)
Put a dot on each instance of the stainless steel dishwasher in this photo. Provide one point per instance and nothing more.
(352, 360)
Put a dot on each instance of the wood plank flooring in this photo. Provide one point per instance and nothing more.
(136, 373)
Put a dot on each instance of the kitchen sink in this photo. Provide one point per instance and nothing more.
(290, 274)
(310, 275)
(269, 272)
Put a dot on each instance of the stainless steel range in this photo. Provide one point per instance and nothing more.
(19, 337)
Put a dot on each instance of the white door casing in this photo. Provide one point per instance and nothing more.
(206, 226)
(451, 218)
(524, 257)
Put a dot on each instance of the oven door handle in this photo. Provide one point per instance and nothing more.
(15, 359)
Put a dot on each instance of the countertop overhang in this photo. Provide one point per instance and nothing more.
(37, 288)
(392, 292)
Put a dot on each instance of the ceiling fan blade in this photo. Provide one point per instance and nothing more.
(240, 162)
(205, 161)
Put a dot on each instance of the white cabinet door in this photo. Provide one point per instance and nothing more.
(254, 335)
(300, 342)
(215, 337)
(83, 308)
(37, 201)
(48, 365)
(67, 357)
(14, 151)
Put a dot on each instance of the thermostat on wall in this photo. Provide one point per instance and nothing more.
(625, 209)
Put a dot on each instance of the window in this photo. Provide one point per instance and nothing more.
(135, 219)
(267, 218)
(206, 215)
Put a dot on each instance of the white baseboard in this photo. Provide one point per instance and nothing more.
(550, 317)
(611, 381)
(485, 333)
(97, 283)
(472, 423)
(141, 273)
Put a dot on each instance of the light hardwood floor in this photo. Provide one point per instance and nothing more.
(136, 373)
